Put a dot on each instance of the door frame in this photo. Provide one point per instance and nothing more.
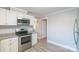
(44, 19)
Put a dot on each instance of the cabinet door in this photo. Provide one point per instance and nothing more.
(34, 38)
(5, 45)
(11, 18)
(3, 16)
(14, 44)
(31, 19)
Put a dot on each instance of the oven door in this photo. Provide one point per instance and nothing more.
(25, 39)
(24, 43)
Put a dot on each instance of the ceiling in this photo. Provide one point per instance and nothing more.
(41, 11)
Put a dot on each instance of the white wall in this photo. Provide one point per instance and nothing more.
(60, 28)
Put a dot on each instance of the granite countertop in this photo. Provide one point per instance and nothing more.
(9, 35)
(6, 36)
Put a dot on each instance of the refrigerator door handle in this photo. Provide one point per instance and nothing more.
(75, 32)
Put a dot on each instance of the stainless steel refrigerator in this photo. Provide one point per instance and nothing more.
(76, 31)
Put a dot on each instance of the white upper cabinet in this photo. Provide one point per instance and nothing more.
(32, 19)
(20, 14)
(3, 14)
(7, 17)
(11, 18)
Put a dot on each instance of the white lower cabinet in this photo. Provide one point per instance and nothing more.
(9, 45)
(5, 45)
(34, 38)
(14, 45)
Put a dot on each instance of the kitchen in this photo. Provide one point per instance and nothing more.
(15, 27)
(31, 29)
(39, 29)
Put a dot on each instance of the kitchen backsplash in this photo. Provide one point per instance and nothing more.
(5, 31)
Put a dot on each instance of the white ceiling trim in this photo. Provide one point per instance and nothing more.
(42, 11)
(60, 11)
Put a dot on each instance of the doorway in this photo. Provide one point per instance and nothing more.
(41, 28)
(44, 29)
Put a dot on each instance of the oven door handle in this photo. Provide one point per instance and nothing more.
(25, 36)
(22, 29)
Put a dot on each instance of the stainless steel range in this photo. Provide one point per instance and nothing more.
(24, 39)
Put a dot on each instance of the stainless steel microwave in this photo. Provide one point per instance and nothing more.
(23, 21)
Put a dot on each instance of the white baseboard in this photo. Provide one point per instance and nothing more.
(70, 48)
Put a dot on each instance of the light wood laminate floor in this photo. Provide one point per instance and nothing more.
(43, 46)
